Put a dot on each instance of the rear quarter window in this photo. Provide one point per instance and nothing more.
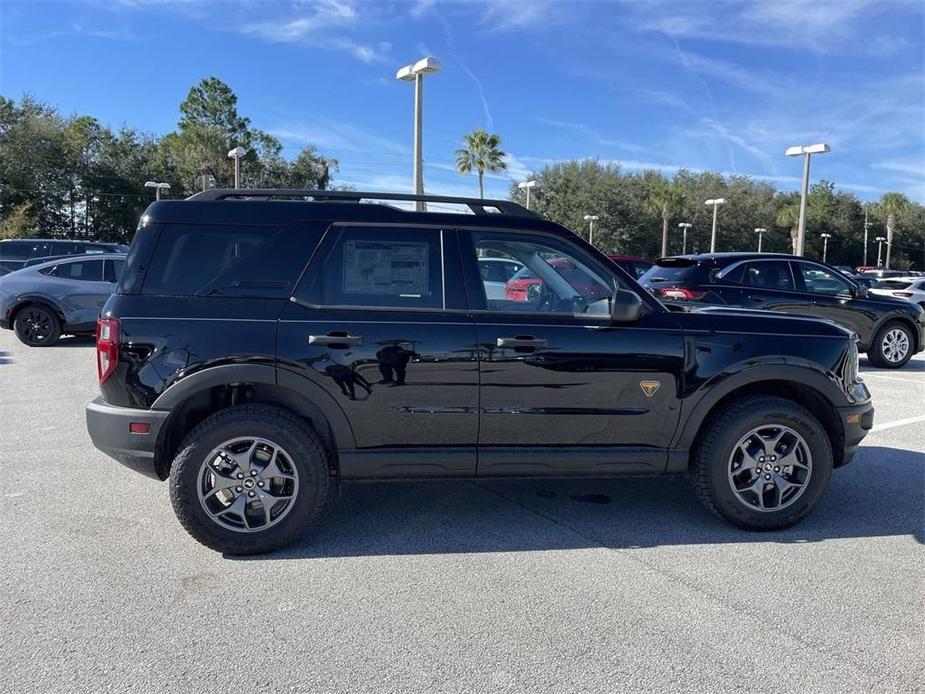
(228, 260)
(672, 271)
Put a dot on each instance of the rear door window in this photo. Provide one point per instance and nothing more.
(15, 250)
(672, 271)
(769, 274)
(241, 261)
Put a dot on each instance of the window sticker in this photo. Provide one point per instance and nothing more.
(386, 267)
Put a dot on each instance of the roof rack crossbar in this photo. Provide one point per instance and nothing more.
(477, 206)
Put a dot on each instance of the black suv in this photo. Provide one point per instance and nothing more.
(264, 345)
(889, 330)
(19, 253)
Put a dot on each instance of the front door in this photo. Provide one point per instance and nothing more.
(829, 295)
(379, 322)
(563, 389)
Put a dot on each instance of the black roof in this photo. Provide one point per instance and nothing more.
(735, 256)
(282, 206)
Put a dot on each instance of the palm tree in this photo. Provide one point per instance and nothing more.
(665, 199)
(789, 217)
(482, 152)
(891, 206)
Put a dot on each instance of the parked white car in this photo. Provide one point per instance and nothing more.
(495, 273)
(908, 288)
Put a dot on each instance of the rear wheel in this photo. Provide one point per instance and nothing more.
(763, 463)
(249, 479)
(892, 346)
(37, 326)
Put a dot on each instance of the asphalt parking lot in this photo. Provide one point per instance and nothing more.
(570, 586)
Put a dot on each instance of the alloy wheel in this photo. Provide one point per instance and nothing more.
(36, 326)
(895, 345)
(247, 484)
(770, 468)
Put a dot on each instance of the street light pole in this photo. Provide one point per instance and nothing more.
(806, 151)
(825, 245)
(158, 187)
(527, 185)
(761, 231)
(716, 202)
(866, 229)
(415, 73)
(590, 219)
(236, 154)
(879, 240)
(684, 226)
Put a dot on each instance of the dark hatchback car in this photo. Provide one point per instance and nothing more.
(18, 253)
(889, 330)
(260, 351)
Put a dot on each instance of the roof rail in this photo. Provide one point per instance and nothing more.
(477, 206)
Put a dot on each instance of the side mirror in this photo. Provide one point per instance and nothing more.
(625, 306)
(862, 291)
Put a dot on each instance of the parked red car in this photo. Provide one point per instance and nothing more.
(526, 286)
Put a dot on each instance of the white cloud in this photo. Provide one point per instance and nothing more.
(338, 136)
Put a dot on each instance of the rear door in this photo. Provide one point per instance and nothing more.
(379, 323)
(563, 389)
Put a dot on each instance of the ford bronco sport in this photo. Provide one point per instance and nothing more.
(263, 346)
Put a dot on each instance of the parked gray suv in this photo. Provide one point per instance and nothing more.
(42, 302)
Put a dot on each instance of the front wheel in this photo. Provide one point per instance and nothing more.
(892, 347)
(249, 479)
(37, 326)
(762, 463)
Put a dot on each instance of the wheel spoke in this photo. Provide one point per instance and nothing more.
(273, 469)
(269, 501)
(239, 507)
(244, 460)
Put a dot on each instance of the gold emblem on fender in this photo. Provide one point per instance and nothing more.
(649, 387)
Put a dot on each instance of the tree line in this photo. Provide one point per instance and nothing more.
(639, 212)
(71, 176)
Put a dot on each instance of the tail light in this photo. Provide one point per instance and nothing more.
(679, 293)
(904, 295)
(107, 347)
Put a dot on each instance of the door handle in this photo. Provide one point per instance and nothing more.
(522, 341)
(756, 297)
(336, 338)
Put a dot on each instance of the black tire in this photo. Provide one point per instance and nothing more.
(711, 460)
(877, 353)
(37, 325)
(275, 424)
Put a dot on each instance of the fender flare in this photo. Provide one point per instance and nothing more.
(26, 299)
(312, 396)
(717, 388)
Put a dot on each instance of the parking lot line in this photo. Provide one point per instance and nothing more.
(898, 423)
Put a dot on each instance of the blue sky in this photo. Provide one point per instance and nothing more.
(716, 85)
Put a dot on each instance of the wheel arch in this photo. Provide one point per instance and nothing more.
(810, 389)
(29, 299)
(195, 397)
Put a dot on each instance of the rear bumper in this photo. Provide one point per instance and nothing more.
(109, 430)
(857, 421)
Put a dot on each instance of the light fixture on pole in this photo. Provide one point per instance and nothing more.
(805, 151)
(879, 240)
(158, 187)
(825, 245)
(591, 219)
(684, 226)
(716, 202)
(761, 231)
(867, 226)
(527, 185)
(236, 154)
(415, 73)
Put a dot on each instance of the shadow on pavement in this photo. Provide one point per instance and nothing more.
(880, 493)
(75, 341)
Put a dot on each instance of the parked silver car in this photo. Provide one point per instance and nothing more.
(62, 296)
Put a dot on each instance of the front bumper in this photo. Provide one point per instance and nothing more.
(109, 430)
(857, 421)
